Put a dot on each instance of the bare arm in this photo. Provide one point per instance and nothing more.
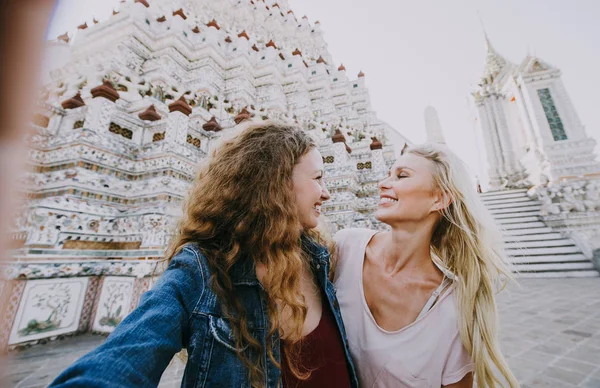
(466, 382)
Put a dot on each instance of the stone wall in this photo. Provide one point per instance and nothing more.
(53, 299)
(572, 207)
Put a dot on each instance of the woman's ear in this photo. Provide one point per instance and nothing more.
(442, 200)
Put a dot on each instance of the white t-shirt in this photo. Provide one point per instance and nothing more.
(426, 353)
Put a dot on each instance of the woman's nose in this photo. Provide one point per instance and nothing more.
(384, 184)
(325, 193)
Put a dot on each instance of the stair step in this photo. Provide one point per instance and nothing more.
(503, 216)
(490, 202)
(554, 267)
(515, 206)
(504, 195)
(503, 192)
(515, 230)
(512, 204)
(565, 274)
(525, 226)
(509, 238)
(542, 251)
(520, 220)
(576, 257)
(517, 210)
(506, 198)
(563, 242)
(534, 249)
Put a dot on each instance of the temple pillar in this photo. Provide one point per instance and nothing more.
(177, 122)
(101, 108)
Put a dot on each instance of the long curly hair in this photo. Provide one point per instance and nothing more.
(467, 243)
(242, 207)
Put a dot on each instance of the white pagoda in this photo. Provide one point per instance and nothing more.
(544, 188)
(433, 128)
(130, 107)
(530, 128)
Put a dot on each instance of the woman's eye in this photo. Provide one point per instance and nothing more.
(402, 176)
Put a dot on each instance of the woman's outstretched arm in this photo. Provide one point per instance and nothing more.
(141, 347)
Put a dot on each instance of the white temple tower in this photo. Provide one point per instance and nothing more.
(131, 106)
(150, 90)
(433, 128)
(530, 129)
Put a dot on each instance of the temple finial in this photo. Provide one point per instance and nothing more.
(488, 44)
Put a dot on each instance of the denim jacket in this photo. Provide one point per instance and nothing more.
(181, 311)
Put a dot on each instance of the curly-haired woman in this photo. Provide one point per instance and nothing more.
(246, 291)
(418, 300)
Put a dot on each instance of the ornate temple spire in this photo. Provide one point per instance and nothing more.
(180, 13)
(375, 144)
(64, 37)
(212, 125)
(494, 62)
(533, 64)
(338, 137)
(180, 105)
(74, 102)
(106, 90)
(242, 116)
(213, 23)
(150, 114)
(433, 128)
(244, 34)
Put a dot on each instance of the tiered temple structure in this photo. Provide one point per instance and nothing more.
(130, 108)
(530, 128)
(433, 128)
(544, 177)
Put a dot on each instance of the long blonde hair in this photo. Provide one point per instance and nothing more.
(469, 244)
(242, 207)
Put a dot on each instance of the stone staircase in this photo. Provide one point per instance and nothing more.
(535, 250)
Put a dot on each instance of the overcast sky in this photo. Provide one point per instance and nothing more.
(431, 52)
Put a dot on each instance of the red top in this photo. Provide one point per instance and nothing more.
(322, 352)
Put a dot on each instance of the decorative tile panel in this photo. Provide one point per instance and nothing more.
(49, 307)
(114, 303)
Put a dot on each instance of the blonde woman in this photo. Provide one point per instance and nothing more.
(418, 300)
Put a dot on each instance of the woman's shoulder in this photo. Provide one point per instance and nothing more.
(352, 236)
(350, 244)
(189, 263)
(189, 254)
